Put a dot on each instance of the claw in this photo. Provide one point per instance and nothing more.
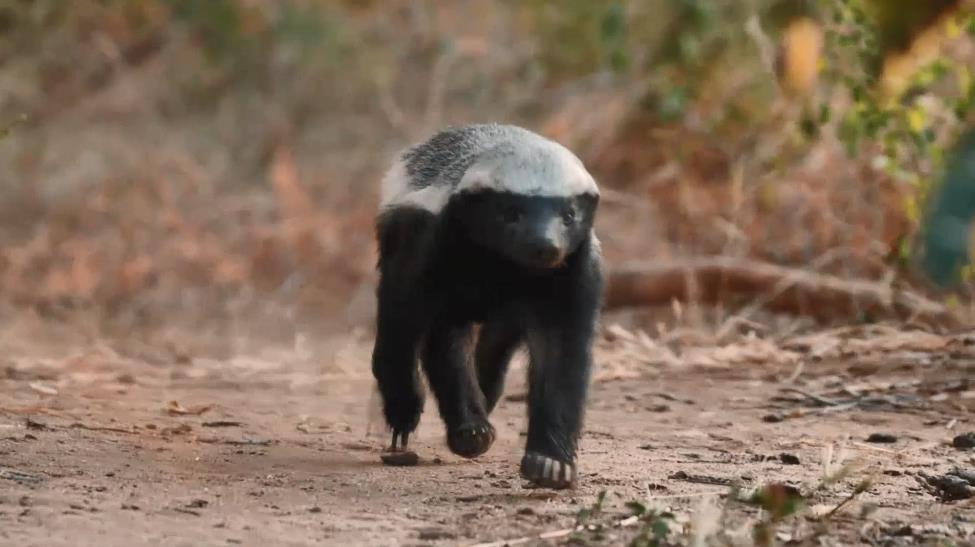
(470, 441)
(548, 472)
(397, 454)
(404, 438)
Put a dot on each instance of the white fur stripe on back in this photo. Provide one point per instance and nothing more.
(396, 191)
(483, 158)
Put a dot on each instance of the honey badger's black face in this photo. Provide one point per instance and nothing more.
(537, 232)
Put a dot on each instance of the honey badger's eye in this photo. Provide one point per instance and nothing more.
(569, 215)
(511, 214)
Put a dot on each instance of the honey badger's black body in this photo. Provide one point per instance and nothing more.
(518, 259)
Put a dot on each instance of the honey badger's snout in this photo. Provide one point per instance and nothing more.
(546, 252)
(547, 244)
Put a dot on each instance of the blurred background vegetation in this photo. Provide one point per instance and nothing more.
(214, 165)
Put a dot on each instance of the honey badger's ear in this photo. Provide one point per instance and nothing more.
(589, 200)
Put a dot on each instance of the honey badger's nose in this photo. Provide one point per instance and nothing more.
(547, 251)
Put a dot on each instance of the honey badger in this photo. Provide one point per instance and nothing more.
(488, 225)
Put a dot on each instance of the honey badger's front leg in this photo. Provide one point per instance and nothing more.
(445, 357)
(560, 339)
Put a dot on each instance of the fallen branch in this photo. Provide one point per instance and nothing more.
(794, 291)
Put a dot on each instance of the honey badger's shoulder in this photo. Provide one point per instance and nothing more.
(496, 157)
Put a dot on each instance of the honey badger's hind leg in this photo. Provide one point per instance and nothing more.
(446, 360)
(496, 344)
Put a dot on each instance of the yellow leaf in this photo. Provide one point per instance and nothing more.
(799, 59)
(915, 119)
(953, 28)
(911, 208)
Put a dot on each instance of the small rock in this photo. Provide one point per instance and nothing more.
(951, 487)
(404, 458)
(198, 504)
(903, 531)
(315, 509)
(526, 511)
(964, 441)
(437, 460)
(772, 418)
(659, 408)
(789, 459)
(968, 475)
(881, 438)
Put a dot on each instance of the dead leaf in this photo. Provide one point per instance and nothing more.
(176, 409)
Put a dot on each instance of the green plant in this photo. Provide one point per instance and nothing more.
(905, 132)
(654, 526)
(779, 501)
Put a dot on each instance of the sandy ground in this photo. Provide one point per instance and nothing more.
(106, 447)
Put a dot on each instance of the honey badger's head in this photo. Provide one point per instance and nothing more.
(533, 205)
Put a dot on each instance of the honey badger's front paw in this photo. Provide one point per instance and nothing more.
(471, 440)
(548, 472)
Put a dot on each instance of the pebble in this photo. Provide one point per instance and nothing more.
(789, 459)
(404, 458)
(964, 441)
(885, 438)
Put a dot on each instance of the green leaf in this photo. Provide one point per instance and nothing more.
(613, 27)
(637, 508)
(660, 529)
(619, 61)
(824, 113)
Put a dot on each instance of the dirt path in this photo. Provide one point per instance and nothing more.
(92, 453)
